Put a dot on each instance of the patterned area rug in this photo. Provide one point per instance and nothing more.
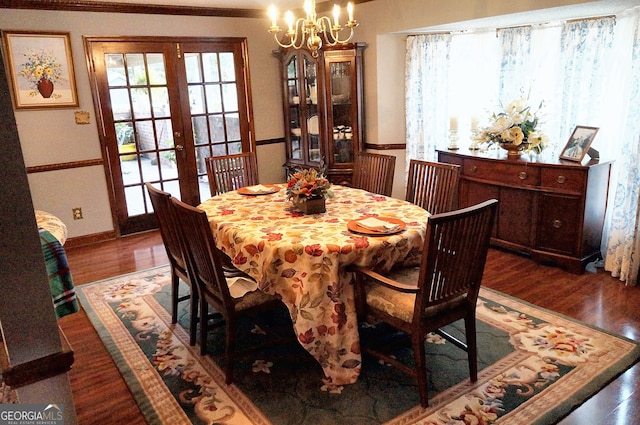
(535, 366)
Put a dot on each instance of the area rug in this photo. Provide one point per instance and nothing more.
(535, 366)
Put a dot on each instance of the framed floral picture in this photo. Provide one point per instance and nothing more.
(40, 69)
(579, 143)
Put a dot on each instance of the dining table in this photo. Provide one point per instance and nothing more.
(304, 259)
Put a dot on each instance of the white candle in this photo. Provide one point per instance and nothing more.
(307, 7)
(336, 14)
(350, 10)
(474, 123)
(288, 16)
(273, 14)
(453, 123)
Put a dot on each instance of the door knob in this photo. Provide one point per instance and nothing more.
(179, 148)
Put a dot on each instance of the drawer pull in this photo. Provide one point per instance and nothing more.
(561, 179)
(557, 224)
(523, 175)
(473, 169)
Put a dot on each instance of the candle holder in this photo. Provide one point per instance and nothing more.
(475, 137)
(453, 140)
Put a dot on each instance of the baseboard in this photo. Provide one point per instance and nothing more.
(90, 239)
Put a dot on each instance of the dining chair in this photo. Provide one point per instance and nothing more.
(374, 172)
(205, 269)
(231, 172)
(442, 290)
(161, 202)
(433, 185)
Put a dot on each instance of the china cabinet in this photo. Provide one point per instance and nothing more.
(323, 108)
(552, 210)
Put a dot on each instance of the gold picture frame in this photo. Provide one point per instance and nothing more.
(40, 69)
(579, 143)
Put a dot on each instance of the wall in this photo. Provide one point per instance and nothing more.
(384, 25)
(51, 136)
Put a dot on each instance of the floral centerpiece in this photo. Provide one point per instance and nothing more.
(306, 186)
(41, 69)
(515, 129)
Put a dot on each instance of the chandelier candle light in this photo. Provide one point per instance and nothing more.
(308, 30)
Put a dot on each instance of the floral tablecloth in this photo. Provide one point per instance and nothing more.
(302, 260)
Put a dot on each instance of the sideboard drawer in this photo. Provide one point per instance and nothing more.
(563, 179)
(502, 173)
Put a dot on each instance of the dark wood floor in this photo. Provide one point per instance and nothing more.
(101, 396)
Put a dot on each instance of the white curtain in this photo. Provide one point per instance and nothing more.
(515, 54)
(587, 72)
(623, 245)
(426, 93)
(586, 54)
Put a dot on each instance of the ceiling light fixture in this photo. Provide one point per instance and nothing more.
(311, 30)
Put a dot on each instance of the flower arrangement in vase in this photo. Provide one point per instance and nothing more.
(307, 189)
(42, 70)
(515, 129)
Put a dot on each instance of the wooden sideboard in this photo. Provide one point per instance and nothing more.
(550, 210)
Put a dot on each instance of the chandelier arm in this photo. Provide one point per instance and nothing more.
(297, 33)
(332, 32)
(311, 31)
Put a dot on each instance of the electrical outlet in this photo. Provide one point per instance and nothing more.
(77, 213)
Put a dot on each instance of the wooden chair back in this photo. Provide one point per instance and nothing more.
(231, 172)
(442, 291)
(454, 255)
(205, 265)
(374, 172)
(161, 202)
(203, 257)
(433, 185)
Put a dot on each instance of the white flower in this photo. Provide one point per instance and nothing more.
(516, 124)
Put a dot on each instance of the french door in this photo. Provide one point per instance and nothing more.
(164, 105)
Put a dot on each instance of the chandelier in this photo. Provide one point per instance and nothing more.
(308, 31)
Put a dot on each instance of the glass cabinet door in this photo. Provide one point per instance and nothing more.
(295, 113)
(342, 119)
(304, 125)
(311, 104)
(323, 109)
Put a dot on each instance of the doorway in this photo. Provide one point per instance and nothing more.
(164, 105)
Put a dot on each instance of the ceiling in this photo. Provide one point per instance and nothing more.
(258, 9)
(226, 4)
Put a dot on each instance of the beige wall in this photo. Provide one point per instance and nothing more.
(51, 136)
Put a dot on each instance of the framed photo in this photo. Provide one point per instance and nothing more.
(579, 143)
(40, 69)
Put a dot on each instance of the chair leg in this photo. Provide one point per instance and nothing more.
(175, 283)
(417, 342)
(204, 309)
(230, 338)
(193, 318)
(360, 296)
(472, 347)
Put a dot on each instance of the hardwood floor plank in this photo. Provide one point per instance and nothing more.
(101, 396)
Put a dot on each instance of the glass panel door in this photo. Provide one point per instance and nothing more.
(217, 120)
(165, 106)
(142, 124)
